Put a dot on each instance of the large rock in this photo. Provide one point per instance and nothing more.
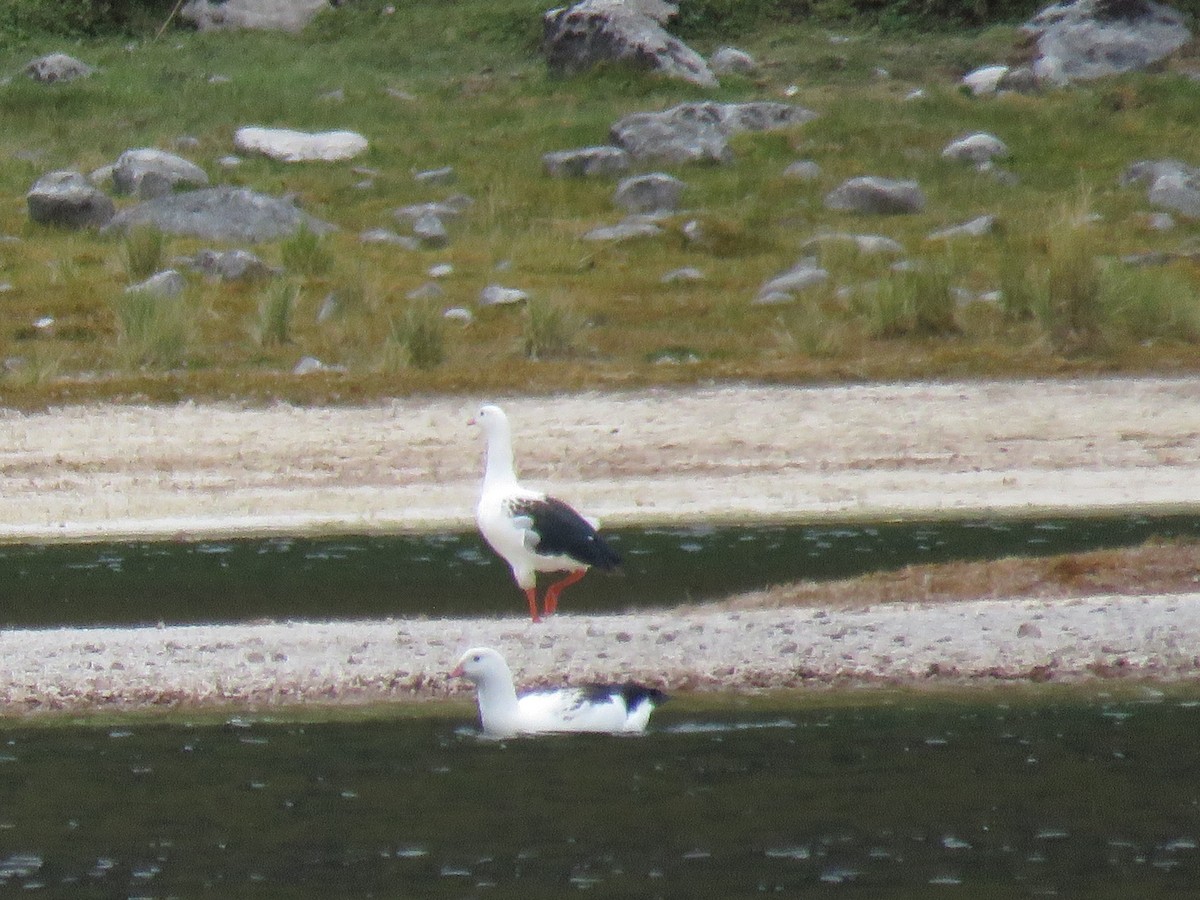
(700, 132)
(286, 145)
(631, 32)
(151, 173)
(231, 265)
(221, 214)
(165, 284)
(653, 192)
(57, 67)
(732, 61)
(979, 148)
(880, 196)
(272, 15)
(984, 80)
(1148, 171)
(67, 199)
(1177, 191)
(1093, 38)
(586, 162)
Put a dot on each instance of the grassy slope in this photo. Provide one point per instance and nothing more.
(483, 102)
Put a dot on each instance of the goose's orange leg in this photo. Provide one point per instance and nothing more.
(550, 604)
(531, 596)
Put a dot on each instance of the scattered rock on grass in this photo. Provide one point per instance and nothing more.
(498, 295)
(732, 61)
(977, 148)
(586, 162)
(871, 194)
(286, 145)
(57, 67)
(576, 38)
(803, 170)
(166, 284)
(1089, 39)
(654, 192)
(977, 227)
(67, 199)
(223, 213)
(700, 132)
(151, 173)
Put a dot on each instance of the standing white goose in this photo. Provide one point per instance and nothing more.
(606, 708)
(529, 530)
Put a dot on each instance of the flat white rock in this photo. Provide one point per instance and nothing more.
(286, 145)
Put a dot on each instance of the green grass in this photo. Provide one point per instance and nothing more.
(483, 102)
(153, 333)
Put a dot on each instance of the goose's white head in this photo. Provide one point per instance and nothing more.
(490, 418)
(481, 664)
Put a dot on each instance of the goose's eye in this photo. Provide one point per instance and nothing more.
(476, 658)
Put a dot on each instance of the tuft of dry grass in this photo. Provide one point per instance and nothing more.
(1156, 567)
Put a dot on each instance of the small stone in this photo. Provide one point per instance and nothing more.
(444, 175)
(803, 170)
(687, 273)
(169, 283)
(497, 295)
(387, 236)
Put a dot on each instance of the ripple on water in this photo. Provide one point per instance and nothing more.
(19, 865)
(722, 727)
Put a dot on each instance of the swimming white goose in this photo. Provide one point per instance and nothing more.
(529, 530)
(605, 708)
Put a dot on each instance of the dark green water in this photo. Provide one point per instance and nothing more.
(1067, 794)
(454, 575)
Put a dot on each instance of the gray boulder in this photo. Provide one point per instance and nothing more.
(288, 145)
(166, 284)
(784, 287)
(978, 148)
(700, 132)
(229, 214)
(628, 230)
(1093, 38)
(431, 232)
(576, 38)
(271, 15)
(498, 295)
(873, 195)
(977, 227)
(732, 61)
(57, 67)
(802, 170)
(441, 175)
(655, 192)
(231, 265)
(1178, 192)
(67, 199)
(985, 80)
(151, 173)
(1148, 171)
(450, 208)
(586, 162)
(864, 244)
(387, 236)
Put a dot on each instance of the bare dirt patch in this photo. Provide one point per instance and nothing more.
(1170, 567)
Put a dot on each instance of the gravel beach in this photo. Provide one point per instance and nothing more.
(709, 454)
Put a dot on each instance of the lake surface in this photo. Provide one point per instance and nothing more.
(1017, 794)
(456, 575)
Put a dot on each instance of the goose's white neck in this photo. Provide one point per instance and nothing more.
(499, 469)
(497, 701)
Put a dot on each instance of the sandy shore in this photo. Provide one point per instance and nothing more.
(707, 454)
